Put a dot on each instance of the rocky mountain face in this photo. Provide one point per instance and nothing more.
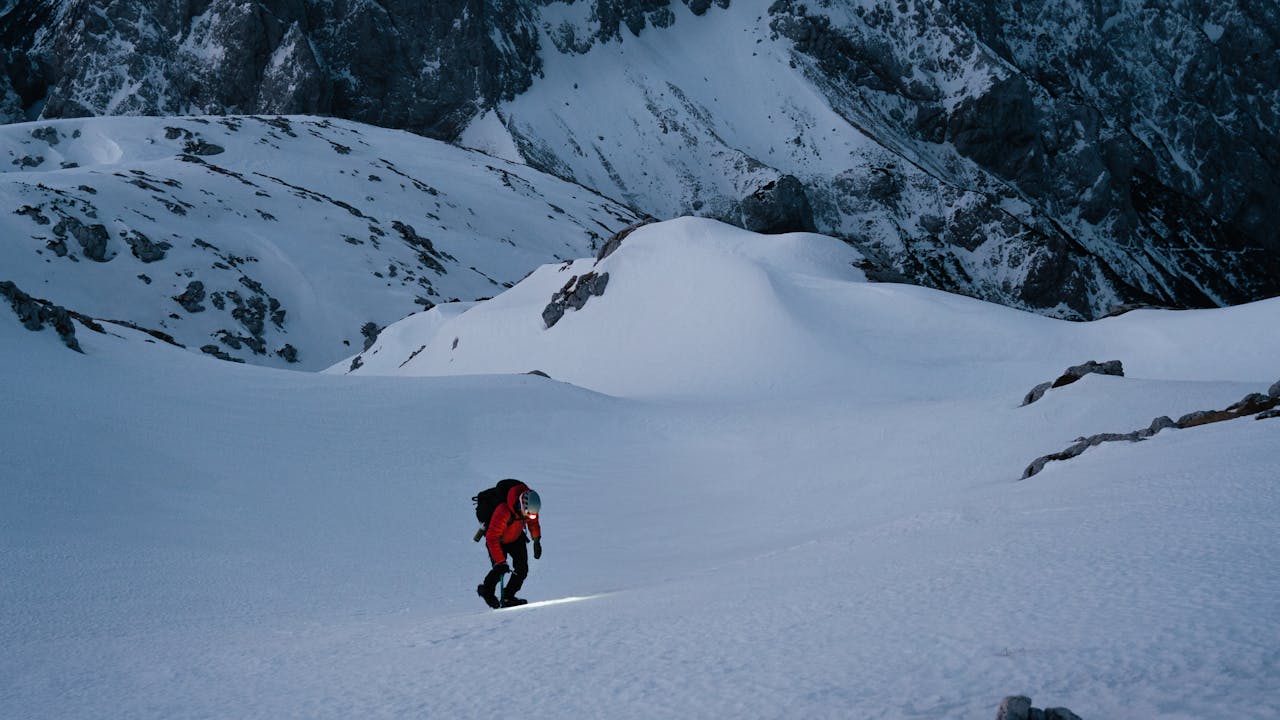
(1071, 157)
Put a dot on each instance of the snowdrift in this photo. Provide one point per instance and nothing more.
(695, 307)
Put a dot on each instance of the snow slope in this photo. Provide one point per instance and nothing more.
(299, 230)
(831, 527)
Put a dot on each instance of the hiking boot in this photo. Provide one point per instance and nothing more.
(513, 601)
(490, 598)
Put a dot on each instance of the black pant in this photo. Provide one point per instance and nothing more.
(519, 568)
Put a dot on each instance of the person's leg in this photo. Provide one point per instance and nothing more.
(488, 588)
(519, 553)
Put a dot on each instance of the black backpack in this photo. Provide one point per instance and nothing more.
(488, 500)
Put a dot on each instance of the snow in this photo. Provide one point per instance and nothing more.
(488, 135)
(771, 489)
(267, 210)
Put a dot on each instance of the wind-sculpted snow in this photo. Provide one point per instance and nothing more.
(272, 239)
(697, 307)
(810, 507)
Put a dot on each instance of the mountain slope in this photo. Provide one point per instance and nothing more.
(1067, 157)
(272, 239)
(188, 537)
(936, 138)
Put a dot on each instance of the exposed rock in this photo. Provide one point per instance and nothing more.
(1274, 390)
(1018, 707)
(1075, 372)
(36, 313)
(427, 255)
(1072, 374)
(33, 213)
(219, 353)
(574, 295)
(1014, 707)
(48, 134)
(143, 248)
(615, 242)
(92, 238)
(1036, 393)
(539, 373)
(778, 206)
(192, 297)
(370, 332)
(1251, 404)
(289, 353)
(202, 148)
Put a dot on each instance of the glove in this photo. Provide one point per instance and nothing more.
(502, 568)
(537, 548)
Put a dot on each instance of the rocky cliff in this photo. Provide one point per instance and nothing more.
(1073, 157)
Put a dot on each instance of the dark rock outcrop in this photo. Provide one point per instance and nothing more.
(92, 238)
(425, 67)
(615, 242)
(778, 206)
(1018, 707)
(192, 298)
(35, 314)
(370, 332)
(574, 296)
(144, 248)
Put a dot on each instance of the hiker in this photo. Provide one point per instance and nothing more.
(504, 535)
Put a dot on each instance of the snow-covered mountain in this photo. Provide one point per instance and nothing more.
(770, 489)
(1056, 155)
(273, 239)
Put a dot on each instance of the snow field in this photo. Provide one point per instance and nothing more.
(841, 536)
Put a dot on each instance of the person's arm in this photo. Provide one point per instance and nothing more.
(493, 536)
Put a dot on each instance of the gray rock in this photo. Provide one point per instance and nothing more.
(574, 296)
(1075, 372)
(1060, 713)
(778, 206)
(192, 297)
(1014, 707)
(48, 134)
(1274, 390)
(370, 332)
(289, 353)
(1203, 417)
(1164, 422)
(144, 249)
(1072, 374)
(1036, 393)
(35, 313)
(92, 238)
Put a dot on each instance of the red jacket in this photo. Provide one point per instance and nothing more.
(506, 525)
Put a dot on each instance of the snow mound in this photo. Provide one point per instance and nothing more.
(695, 307)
